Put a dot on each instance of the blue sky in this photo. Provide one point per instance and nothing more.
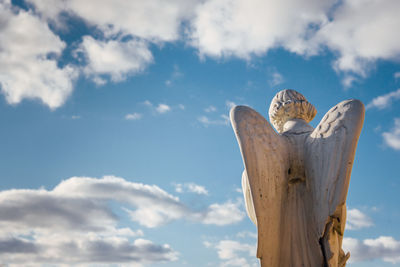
(116, 145)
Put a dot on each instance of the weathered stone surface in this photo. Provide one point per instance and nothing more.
(295, 181)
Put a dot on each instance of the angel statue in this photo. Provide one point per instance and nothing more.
(295, 180)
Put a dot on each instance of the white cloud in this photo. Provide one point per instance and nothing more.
(176, 74)
(223, 214)
(206, 121)
(75, 223)
(396, 75)
(163, 108)
(133, 17)
(243, 28)
(357, 220)
(133, 116)
(392, 138)
(384, 101)
(276, 79)
(385, 248)
(191, 188)
(147, 103)
(362, 32)
(234, 253)
(113, 57)
(245, 234)
(28, 60)
(359, 32)
(210, 109)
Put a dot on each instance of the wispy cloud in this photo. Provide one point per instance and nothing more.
(275, 78)
(385, 248)
(230, 104)
(245, 234)
(206, 121)
(396, 75)
(133, 116)
(175, 75)
(191, 188)
(392, 138)
(384, 101)
(75, 117)
(357, 220)
(210, 109)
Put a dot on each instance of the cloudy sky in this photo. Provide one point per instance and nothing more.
(116, 147)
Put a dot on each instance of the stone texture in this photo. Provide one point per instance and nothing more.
(295, 181)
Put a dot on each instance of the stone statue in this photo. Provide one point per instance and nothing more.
(295, 181)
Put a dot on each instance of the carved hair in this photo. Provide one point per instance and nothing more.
(290, 104)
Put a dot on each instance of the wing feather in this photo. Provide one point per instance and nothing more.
(265, 156)
(330, 151)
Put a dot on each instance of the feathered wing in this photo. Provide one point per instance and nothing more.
(265, 156)
(329, 156)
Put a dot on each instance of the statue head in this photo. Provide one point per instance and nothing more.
(289, 104)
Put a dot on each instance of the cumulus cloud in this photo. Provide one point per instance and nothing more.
(115, 58)
(362, 32)
(64, 226)
(244, 28)
(234, 253)
(223, 214)
(385, 248)
(133, 116)
(396, 75)
(392, 138)
(359, 32)
(134, 17)
(28, 56)
(75, 223)
(357, 220)
(163, 108)
(28, 60)
(191, 188)
(384, 101)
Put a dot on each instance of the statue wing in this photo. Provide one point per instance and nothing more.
(265, 156)
(329, 155)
